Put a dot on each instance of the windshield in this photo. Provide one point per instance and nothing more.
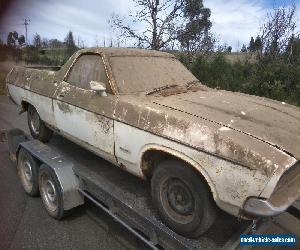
(143, 74)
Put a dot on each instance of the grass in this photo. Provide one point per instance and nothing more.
(235, 57)
(2, 83)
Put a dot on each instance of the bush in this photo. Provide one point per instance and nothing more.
(277, 80)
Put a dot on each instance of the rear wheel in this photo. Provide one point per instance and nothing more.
(28, 172)
(51, 193)
(182, 199)
(37, 127)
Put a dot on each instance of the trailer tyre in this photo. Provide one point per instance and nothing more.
(182, 199)
(51, 193)
(28, 169)
(37, 127)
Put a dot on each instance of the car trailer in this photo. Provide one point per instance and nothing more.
(78, 175)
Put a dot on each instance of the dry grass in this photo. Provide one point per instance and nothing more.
(241, 57)
(2, 83)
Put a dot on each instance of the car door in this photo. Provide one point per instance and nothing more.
(83, 115)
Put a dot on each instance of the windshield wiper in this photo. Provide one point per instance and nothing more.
(161, 88)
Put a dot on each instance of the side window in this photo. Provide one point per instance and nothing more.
(88, 68)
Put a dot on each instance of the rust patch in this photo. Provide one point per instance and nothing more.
(173, 91)
(201, 134)
(240, 154)
(122, 166)
(105, 124)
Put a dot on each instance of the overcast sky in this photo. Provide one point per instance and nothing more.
(234, 21)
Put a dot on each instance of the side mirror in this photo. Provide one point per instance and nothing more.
(98, 87)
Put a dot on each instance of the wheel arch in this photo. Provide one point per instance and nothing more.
(152, 154)
(33, 156)
(25, 104)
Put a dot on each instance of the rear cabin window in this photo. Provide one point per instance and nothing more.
(86, 69)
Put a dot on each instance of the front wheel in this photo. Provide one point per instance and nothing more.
(37, 127)
(182, 199)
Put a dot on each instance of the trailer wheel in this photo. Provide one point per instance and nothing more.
(37, 127)
(182, 199)
(51, 193)
(28, 172)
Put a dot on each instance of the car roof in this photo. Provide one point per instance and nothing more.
(115, 52)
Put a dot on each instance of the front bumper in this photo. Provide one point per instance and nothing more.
(262, 208)
(287, 191)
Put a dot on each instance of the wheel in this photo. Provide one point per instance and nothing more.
(37, 127)
(51, 193)
(28, 169)
(182, 198)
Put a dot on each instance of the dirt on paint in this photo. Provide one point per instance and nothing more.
(252, 131)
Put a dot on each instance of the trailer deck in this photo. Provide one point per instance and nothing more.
(127, 198)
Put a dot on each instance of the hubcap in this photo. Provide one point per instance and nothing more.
(28, 171)
(49, 193)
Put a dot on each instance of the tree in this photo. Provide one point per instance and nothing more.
(163, 22)
(160, 19)
(194, 34)
(255, 45)
(229, 49)
(279, 26)
(251, 47)
(45, 43)
(244, 49)
(258, 44)
(55, 43)
(293, 50)
(70, 44)
(21, 40)
(12, 38)
(37, 41)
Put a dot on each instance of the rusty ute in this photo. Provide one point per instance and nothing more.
(145, 112)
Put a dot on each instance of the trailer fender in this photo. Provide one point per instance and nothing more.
(69, 184)
(61, 167)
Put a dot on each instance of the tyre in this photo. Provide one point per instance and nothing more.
(182, 198)
(28, 169)
(37, 127)
(51, 193)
